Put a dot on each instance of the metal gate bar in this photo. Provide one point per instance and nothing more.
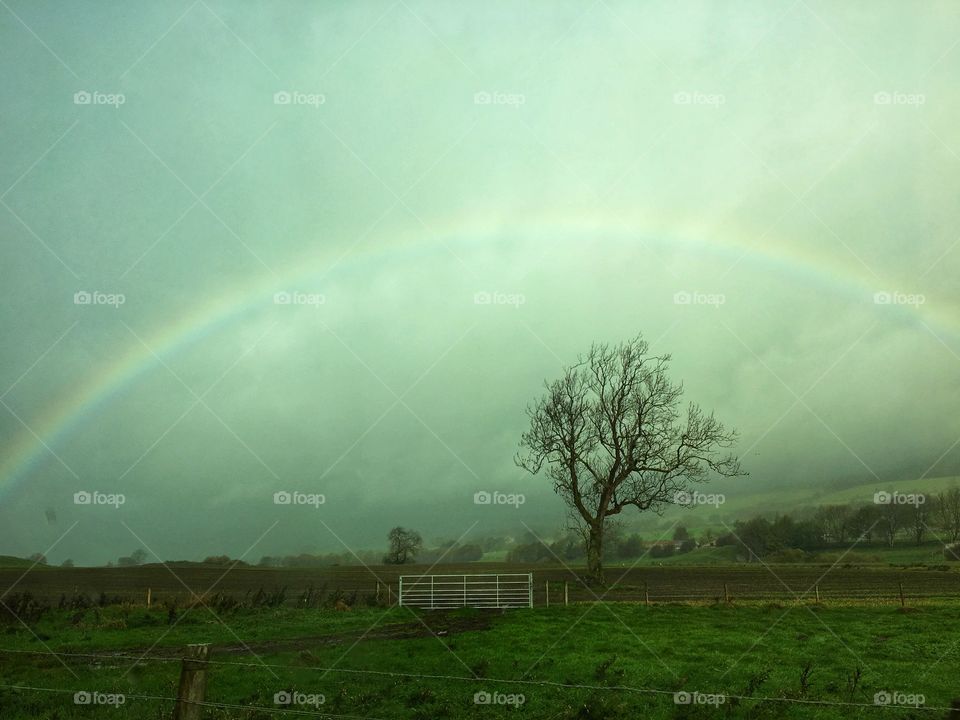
(491, 590)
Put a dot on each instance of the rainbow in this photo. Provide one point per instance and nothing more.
(57, 422)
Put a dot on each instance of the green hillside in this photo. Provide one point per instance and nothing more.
(864, 493)
(746, 504)
(9, 561)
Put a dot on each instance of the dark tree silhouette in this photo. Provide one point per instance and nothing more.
(948, 512)
(610, 435)
(404, 546)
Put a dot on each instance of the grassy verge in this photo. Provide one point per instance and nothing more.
(576, 661)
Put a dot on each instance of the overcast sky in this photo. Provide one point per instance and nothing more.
(337, 248)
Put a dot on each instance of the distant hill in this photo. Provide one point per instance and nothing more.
(9, 561)
(791, 499)
(866, 491)
(748, 502)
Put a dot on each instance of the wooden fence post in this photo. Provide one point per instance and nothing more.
(566, 593)
(726, 594)
(193, 683)
(149, 597)
(546, 589)
(817, 588)
(902, 601)
(646, 594)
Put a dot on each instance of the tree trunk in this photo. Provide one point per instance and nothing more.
(595, 553)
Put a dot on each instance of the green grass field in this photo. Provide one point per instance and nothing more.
(582, 661)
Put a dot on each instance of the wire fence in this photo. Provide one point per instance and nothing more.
(485, 681)
(307, 588)
(566, 588)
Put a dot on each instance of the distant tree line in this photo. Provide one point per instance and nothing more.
(571, 547)
(890, 519)
(404, 546)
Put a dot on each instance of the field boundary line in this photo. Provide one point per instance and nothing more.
(491, 681)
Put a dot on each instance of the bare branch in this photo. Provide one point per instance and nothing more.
(610, 435)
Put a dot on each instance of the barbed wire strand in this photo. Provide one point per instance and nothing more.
(505, 681)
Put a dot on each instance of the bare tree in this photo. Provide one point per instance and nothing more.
(611, 435)
(919, 516)
(135, 558)
(863, 522)
(948, 512)
(835, 521)
(404, 546)
(893, 517)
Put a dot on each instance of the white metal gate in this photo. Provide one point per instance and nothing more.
(435, 592)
